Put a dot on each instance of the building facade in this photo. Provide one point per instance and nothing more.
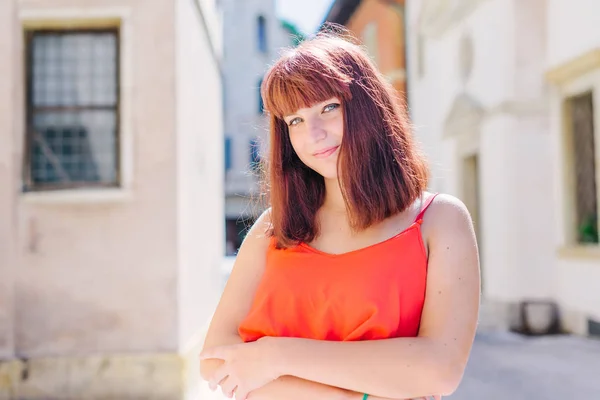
(253, 38)
(380, 25)
(111, 233)
(504, 95)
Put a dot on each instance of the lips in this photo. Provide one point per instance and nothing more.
(326, 152)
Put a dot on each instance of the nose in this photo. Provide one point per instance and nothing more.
(316, 130)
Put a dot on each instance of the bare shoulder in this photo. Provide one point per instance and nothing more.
(260, 229)
(448, 214)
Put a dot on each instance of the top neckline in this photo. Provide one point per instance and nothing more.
(412, 226)
(415, 225)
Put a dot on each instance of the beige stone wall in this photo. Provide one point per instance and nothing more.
(200, 192)
(8, 174)
(99, 271)
(97, 275)
(151, 376)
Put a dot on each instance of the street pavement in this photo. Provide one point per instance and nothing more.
(505, 365)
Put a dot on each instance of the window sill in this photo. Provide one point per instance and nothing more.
(582, 252)
(78, 196)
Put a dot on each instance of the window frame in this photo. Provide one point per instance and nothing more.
(30, 110)
(575, 77)
(569, 155)
(569, 92)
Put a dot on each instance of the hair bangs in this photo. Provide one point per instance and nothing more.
(301, 80)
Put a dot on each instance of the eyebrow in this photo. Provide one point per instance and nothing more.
(324, 103)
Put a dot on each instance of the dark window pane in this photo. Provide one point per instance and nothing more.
(254, 154)
(262, 34)
(227, 153)
(261, 105)
(582, 115)
(74, 147)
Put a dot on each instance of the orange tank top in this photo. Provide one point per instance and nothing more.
(372, 293)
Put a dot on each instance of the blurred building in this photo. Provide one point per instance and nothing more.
(111, 204)
(503, 96)
(253, 38)
(380, 26)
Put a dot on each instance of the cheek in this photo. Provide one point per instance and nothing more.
(297, 139)
(297, 146)
(336, 127)
(294, 142)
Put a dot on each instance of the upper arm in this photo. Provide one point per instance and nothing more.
(241, 285)
(451, 306)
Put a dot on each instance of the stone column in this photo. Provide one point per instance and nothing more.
(8, 173)
(10, 123)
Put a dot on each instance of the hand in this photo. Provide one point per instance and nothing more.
(247, 366)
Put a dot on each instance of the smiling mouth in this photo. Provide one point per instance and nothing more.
(326, 152)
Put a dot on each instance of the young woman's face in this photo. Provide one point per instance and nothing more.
(316, 135)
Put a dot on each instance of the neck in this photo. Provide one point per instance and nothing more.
(333, 196)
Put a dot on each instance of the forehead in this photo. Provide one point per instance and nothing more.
(301, 82)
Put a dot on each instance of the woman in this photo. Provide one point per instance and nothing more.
(356, 283)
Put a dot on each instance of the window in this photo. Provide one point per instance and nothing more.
(72, 109)
(261, 105)
(254, 154)
(236, 230)
(262, 33)
(583, 169)
(227, 153)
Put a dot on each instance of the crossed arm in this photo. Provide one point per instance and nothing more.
(398, 368)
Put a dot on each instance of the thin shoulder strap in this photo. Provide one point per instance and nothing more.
(419, 218)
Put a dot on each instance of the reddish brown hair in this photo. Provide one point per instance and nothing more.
(380, 170)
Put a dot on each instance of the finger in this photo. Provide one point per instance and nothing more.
(212, 386)
(220, 374)
(241, 393)
(228, 386)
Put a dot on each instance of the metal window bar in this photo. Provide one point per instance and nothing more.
(73, 84)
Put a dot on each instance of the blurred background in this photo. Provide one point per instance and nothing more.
(130, 138)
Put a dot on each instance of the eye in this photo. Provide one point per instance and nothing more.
(295, 121)
(330, 107)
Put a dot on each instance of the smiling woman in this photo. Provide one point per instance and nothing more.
(356, 282)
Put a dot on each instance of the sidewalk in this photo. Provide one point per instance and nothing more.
(504, 366)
